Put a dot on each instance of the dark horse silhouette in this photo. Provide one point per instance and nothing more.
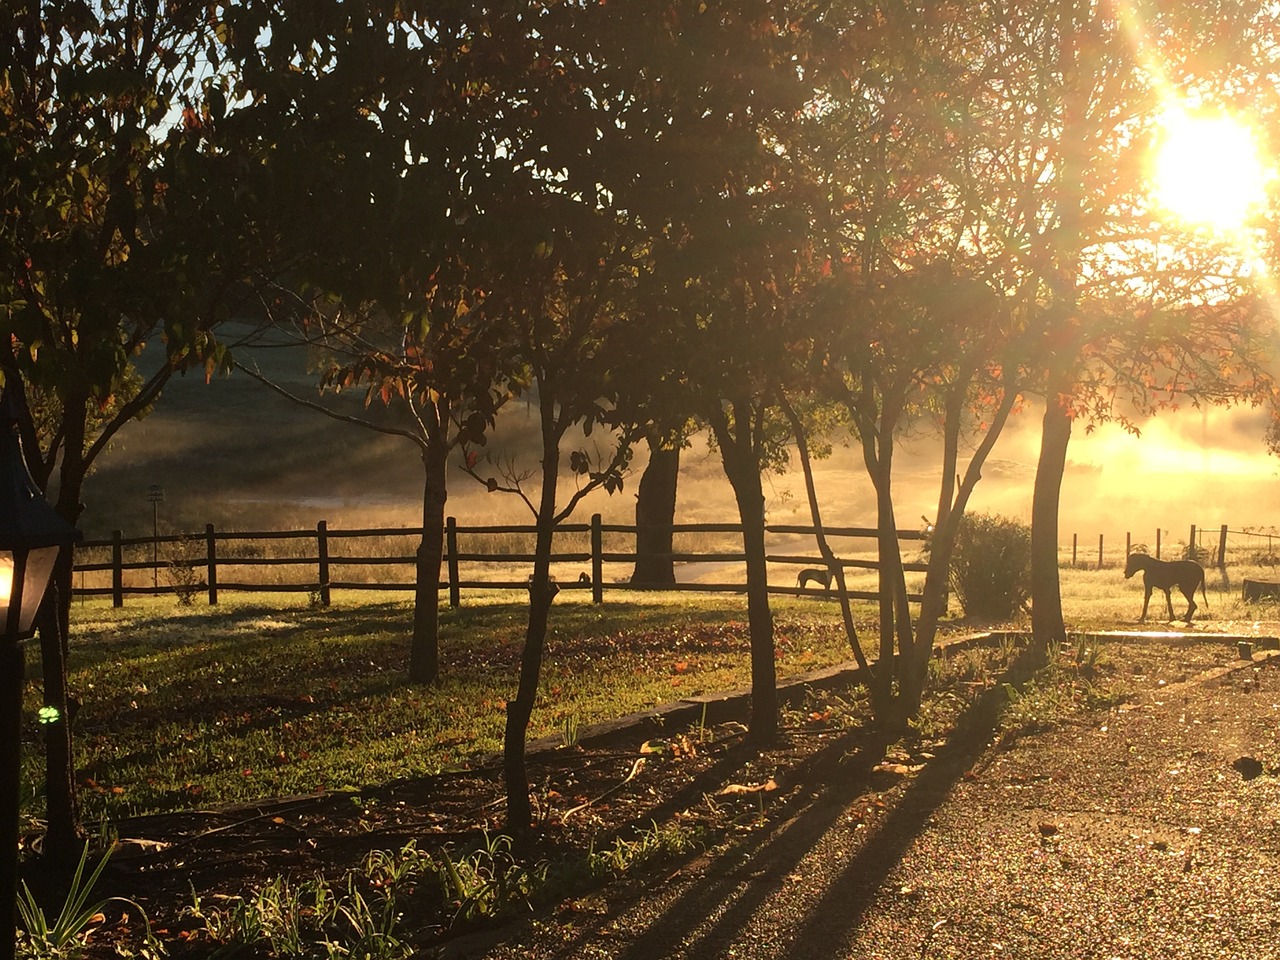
(1186, 575)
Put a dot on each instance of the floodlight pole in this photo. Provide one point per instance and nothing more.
(156, 496)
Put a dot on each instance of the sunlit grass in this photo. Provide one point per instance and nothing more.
(191, 707)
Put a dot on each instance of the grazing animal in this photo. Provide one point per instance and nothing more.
(815, 576)
(1186, 575)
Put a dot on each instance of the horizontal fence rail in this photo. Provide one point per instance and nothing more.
(588, 557)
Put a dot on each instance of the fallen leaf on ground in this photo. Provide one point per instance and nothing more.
(734, 788)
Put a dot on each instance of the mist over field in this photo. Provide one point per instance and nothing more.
(233, 453)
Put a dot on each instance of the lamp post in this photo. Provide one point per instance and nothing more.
(155, 496)
(31, 535)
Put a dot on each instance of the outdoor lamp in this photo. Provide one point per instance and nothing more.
(31, 534)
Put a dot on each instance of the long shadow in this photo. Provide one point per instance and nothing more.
(705, 919)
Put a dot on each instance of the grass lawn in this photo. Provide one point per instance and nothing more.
(197, 706)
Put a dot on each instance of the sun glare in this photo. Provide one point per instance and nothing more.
(1208, 170)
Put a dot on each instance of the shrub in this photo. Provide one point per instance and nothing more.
(991, 565)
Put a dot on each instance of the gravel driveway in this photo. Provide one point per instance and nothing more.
(1149, 831)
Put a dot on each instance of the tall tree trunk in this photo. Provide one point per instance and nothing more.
(424, 653)
(742, 467)
(655, 516)
(1047, 623)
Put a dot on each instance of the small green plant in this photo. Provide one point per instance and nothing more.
(366, 928)
(569, 730)
(1088, 654)
(656, 842)
(69, 932)
(703, 734)
(183, 570)
(490, 881)
(991, 565)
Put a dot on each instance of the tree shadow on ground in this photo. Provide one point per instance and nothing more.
(736, 887)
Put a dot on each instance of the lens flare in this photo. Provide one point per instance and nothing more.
(1208, 170)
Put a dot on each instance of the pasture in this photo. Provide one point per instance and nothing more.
(268, 696)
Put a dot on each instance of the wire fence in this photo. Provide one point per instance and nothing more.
(1211, 544)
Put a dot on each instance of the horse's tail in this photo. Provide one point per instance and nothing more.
(1204, 593)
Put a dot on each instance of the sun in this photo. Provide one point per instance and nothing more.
(1208, 170)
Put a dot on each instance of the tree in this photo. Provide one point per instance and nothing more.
(725, 236)
(449, 385)
(121, 227)
(656, 514)
(1069, 117)
(906, 321)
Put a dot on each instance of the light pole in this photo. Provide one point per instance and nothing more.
(31, 535)
(155, 496)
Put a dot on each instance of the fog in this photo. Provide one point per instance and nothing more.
(233, 453)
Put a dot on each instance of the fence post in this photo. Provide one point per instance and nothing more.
(1099, 551)
(117, 568)
(322, 551)
(1193, 544)
(1157, 543)
(597, 560)
(451, 550)
(1075, 542)
(1222, 546)
(211, 562)
(1128, 545)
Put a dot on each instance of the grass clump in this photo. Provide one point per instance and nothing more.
(397, 900)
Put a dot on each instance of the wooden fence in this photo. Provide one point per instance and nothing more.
(322, 560)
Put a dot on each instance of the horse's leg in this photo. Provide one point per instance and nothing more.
(1168, 602)
(1145, 601)
(1190, 594)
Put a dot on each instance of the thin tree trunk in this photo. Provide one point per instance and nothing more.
(541, 593)
(64, 837)
(951, 511)
(764, 676)
(655, 516)
(1047, 623)
(424, 653)
(824, 547)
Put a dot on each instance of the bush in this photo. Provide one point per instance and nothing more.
(991, 565)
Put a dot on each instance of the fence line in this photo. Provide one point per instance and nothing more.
(1208, 543)
(202, 559)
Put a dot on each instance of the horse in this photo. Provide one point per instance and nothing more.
(1186, 575)
(816, 576)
